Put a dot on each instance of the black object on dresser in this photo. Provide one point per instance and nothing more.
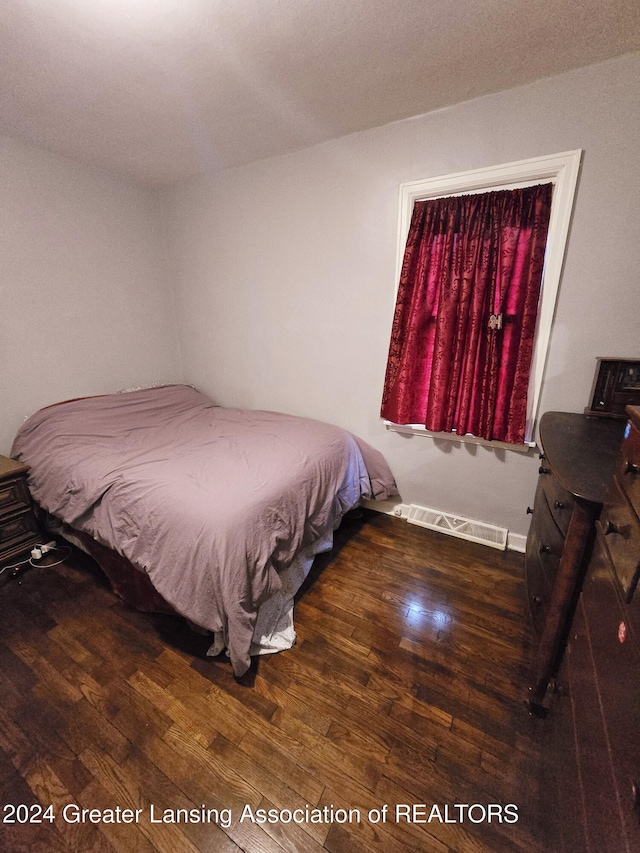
(596, 719)
(616, 385)
(18, 527)
(577, 463)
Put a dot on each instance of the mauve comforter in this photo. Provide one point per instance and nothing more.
(210, 502)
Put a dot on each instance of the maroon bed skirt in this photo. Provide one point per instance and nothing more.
(127, 582)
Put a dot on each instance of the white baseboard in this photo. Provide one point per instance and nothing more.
(388, 508)
(515, 541)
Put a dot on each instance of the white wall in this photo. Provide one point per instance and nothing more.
(86, 305)
(285, 271)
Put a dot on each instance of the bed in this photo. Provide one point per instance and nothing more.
(217, 512)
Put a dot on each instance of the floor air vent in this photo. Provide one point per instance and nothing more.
(456, 525)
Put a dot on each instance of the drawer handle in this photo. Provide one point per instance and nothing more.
(610, 527)
(535, 599)
(529, 511)
(545, 549)
(630, 467)
(558, 504)
(542, 470)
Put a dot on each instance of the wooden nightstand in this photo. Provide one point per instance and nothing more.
(18, 528)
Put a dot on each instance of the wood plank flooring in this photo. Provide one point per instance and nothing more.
(401, 701)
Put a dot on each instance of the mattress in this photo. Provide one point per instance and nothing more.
(215, 505)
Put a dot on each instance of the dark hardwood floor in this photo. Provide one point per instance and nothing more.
(402, 700)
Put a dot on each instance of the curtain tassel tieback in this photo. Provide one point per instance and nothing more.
(495, 321)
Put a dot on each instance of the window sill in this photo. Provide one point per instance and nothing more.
(417, 429)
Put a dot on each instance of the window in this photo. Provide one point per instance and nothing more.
(475, 311)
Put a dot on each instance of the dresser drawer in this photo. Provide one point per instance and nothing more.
(628, 467)
(619, 530)
(15, 529)
(547, 543)
(559, 501)
(14, 495)
(614, 655)
(538, 590)
(544, 549)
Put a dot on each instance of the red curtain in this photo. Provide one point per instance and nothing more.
(465, 318)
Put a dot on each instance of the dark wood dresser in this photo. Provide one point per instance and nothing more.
(596, 714)
(577, 463)
(18, 527)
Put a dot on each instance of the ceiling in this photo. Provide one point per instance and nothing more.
(160, 90)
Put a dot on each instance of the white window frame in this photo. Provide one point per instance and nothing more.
(560, 169)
